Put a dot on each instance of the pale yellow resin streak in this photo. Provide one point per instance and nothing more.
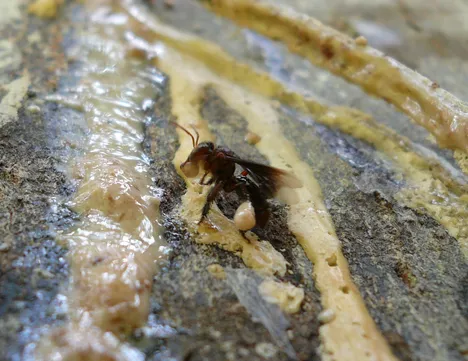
(432, 188)
(114, 250)
(11, 102)
(287, 296)
(441, 113)
(186, 89)
(353, 334)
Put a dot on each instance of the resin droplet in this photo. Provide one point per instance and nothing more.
(245, 217)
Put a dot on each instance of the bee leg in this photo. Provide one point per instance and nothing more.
(203, 178)
(244, 236)
(202, 181)
(259, 203)
(210, 181)
(211, 197)
(237, 184)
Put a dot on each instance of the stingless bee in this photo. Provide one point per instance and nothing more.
(256, 182)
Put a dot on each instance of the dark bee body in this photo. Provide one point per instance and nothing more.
(256, 182)
(218, 163)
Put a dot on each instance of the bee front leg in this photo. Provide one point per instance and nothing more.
(210, 198)
(203, 178)
(208, 182)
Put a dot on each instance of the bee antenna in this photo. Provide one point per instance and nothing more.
(186, 131)
(196, 132)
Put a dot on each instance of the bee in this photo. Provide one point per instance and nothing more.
(227, 172)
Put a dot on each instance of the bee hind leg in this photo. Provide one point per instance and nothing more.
(260, 205)
(244, 236)
(209, 200)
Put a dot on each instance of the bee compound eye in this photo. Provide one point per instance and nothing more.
(244, 218)
(190, 169)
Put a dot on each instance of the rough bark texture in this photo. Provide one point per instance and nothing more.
(409, 270)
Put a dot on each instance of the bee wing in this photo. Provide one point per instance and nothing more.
(268, 178)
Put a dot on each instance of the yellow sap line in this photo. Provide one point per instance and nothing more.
(441, 113)
(462, 160)
(186, 90)
(352, 335)
(429, 188)
(146, 26)
(429, 180)
(349, 120)
(46, 9)
(115, 248)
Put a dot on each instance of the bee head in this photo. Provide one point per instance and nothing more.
(200, 153)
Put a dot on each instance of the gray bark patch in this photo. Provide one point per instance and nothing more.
(409, 270)
(34, 266)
